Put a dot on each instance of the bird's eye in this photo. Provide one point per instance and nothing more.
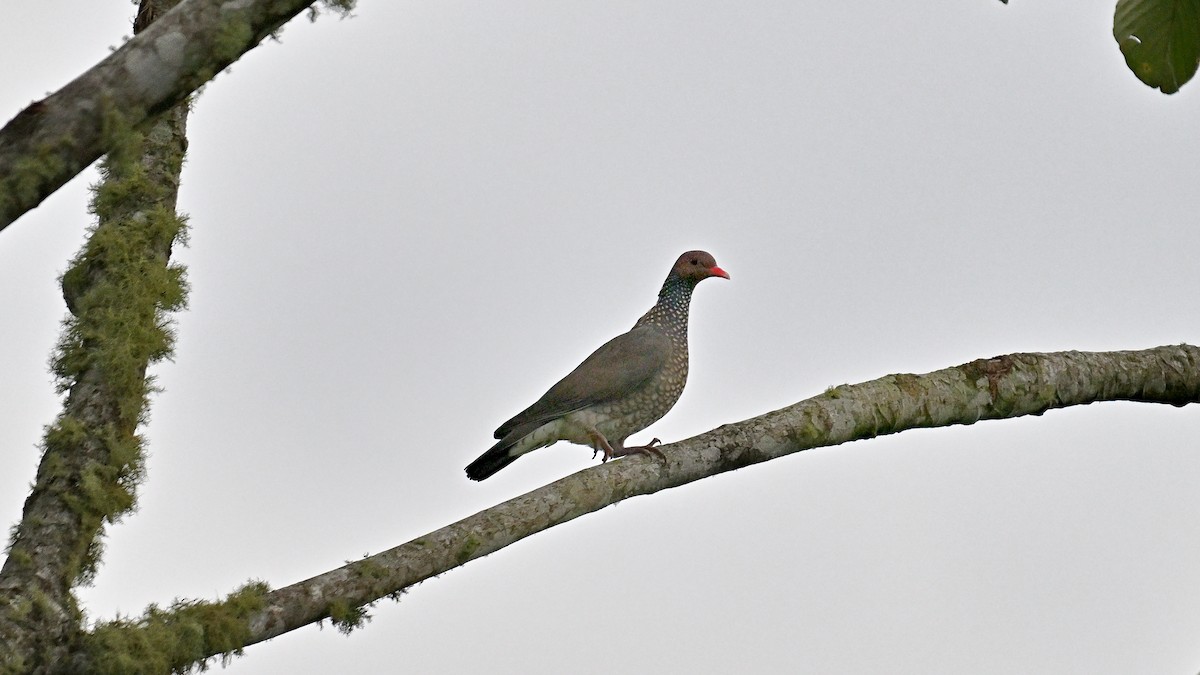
(695, 262)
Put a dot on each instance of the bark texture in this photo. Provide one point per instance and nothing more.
(53, 139)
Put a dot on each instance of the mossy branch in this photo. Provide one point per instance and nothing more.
(995, 388)
(53, 139)
(119, 290)
(175, 639)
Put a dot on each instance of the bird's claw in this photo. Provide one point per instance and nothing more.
(600, 444)
(647, 449)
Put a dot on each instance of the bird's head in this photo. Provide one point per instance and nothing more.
(695, 266)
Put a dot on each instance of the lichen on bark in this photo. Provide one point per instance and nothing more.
(119, 289)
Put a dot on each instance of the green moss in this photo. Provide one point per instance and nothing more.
(119, 289)
(119, 286)
(31, 174)
(14, 665)
(468, 549)
(96, 492)
(867, 428)
(19, 558)
(178, 638)
(119, 133)
(835, 392)
(231, 39)
(23, 606)
(808, 433)
(369, 570)
(346, 617)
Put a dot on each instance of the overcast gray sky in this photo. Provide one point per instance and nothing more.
(407, 225)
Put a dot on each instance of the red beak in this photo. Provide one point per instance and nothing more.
(718, 272)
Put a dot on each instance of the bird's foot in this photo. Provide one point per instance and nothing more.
(647, 449)
(600, 444)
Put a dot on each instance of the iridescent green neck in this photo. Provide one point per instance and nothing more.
(671, 311)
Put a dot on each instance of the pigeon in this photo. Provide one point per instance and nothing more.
(626, 385)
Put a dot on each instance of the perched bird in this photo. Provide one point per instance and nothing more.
(623, 387)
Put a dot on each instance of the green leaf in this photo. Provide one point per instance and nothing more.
(1160, 40)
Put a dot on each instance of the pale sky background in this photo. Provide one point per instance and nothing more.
(407, 225)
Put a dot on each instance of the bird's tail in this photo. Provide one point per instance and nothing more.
(493, 460)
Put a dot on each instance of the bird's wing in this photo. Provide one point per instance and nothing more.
(617, 368)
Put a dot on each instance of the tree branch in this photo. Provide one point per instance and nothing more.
(53, 139)
(996, 388)
(117, 289)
